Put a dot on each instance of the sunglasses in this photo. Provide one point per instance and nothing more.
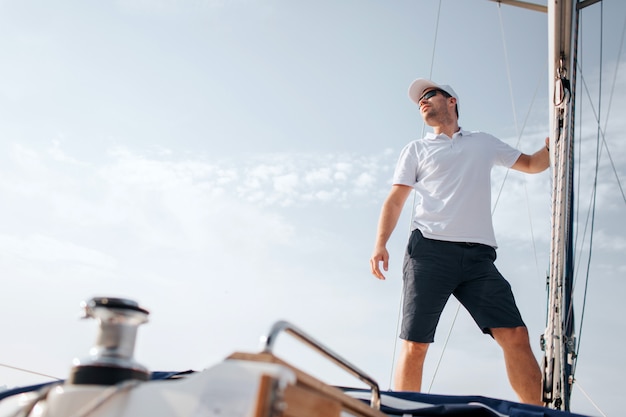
(430, 94)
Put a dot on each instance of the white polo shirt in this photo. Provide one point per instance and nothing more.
(452, 181)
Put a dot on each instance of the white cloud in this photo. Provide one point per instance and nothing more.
(319, 176)
(364, 181)
(26, 158)
(340, 176)
(286, 183)
(162, 201)
(48, 249)
(57, 153)
(325, 195)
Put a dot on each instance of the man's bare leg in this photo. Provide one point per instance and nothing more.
(521, 365)
(410, 366)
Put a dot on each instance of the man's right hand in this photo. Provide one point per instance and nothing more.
(392, 207)
(380, 254)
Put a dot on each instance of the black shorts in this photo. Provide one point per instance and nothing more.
(434, 269)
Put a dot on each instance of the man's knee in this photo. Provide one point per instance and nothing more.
(511, 336)
(415, 350)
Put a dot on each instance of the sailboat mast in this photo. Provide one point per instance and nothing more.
(558, 341)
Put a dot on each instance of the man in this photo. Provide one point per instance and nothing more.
(452, 245)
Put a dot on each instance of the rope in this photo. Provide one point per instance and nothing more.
(458, 307)
(29, 372)
(595, 191)
(519, 136)
(445, 345)
(432, 59)
(589, 399)
(597, 117)
(395, 344)
(619, 56)
(508, 68)
(603, 134)
(517, 130)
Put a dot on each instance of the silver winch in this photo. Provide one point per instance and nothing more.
(111, 360)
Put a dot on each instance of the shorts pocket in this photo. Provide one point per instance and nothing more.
(414, 240)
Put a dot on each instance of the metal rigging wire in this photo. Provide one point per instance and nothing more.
(458, 307)
(519, 133)
(3, 365)
(594, 191)
(432, 64)
(597, 117)
(519, 136)
(600, 145)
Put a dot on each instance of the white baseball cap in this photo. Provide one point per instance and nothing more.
(418, 86)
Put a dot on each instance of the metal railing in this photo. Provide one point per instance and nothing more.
(269, 342)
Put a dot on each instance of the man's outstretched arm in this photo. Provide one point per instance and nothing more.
(392, 208)
(532, 164)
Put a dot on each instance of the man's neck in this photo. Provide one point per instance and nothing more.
(448, 129)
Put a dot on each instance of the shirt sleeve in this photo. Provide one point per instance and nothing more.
(406, 168)
(506, 155)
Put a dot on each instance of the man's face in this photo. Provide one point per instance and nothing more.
(432, 103)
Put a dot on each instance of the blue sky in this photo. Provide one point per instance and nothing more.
(224, 163)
